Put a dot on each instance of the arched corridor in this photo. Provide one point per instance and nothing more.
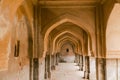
(71, 70)
(59, 40)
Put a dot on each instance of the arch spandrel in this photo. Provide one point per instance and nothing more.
(112, 33)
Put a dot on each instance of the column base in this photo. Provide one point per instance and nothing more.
(81, 68)
(101, 68)
(46, 75)
(56, 63)
(49, 74)
(53, 67)
(84, 78)
(86, 75)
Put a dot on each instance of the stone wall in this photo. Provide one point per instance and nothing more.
(42, 70)
(18, 72)
(5, 35)
(113, 69)
(92, 68)
(15, 70)
(18, 67)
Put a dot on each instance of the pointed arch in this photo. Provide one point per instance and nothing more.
(62, 19)
(71, 33)
(68, 41)
(62, 41)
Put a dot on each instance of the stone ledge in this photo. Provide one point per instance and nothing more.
(113, 54)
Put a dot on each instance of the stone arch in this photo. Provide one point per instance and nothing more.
(62, 19)
(74, 42)
(67, 56)
(70, 40)
(66, 42)
(77, 42)
(63, 34)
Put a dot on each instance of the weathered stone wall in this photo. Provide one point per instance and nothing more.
(113, 69)
(17, 72)
(5, 35)
(42, 70)
(18, 67)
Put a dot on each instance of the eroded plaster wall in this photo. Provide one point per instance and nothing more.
(18, 67)
(5, 37)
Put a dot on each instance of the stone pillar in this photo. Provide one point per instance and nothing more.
(46, 73)
(100, 43)
(36, 43)
(31, 69)
(57, 59)
(30, 51)
(49, 66)
(101, 68)
(52, 58)
(87, 68)
(35, 69)
(52, 62)
(81, 63)
(77, 59)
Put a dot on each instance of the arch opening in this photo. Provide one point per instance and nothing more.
(58, 22)
(69, 36)
(67, 56)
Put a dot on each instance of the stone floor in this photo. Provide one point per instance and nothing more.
(67, 71)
